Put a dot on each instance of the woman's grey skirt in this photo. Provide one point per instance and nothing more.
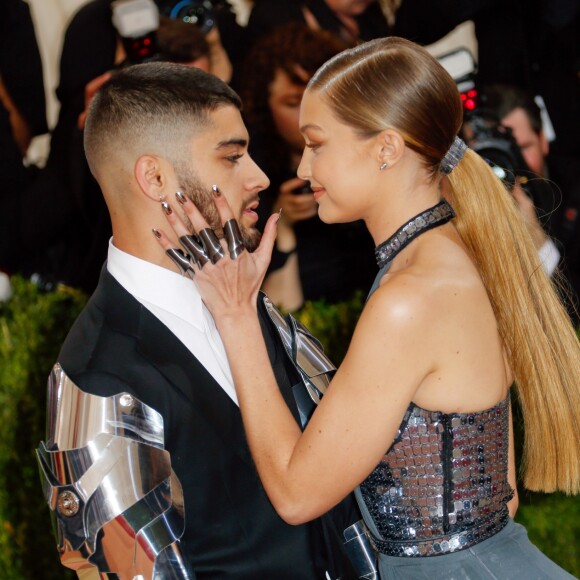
(509, 555)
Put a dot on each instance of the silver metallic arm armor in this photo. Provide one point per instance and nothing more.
(316, 371)
(117, 506)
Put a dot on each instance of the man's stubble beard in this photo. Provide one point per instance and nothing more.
(202, 198)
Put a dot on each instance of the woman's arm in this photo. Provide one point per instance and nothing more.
(358, 417)
(352, 427)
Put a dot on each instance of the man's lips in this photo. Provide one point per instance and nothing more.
(250, 209)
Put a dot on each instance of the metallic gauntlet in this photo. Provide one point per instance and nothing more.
(117, 506)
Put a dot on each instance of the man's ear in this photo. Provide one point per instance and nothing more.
(390, 147)
(150, 174)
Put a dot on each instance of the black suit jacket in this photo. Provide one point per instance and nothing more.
(232, 531)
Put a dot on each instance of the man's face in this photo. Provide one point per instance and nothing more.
(219, 154)
(534, 147)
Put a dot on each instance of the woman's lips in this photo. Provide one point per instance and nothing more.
(318, 192)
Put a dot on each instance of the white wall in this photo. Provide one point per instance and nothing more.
(50, 19)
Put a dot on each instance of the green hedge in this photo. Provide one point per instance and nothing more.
(33, 325)
(32, 328)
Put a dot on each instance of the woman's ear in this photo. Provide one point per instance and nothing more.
(150, 174)
(390, 148)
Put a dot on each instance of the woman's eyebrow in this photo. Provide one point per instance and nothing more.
(310, 126)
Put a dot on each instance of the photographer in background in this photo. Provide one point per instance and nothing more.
(351, 20)
(70, 240)
(533, 44)
(311, 260)
(546, 187)
(517, 110)
(22, 116)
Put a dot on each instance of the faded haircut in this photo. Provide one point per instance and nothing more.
(155, 106)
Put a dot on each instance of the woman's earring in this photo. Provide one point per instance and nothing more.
(383, 166)
(162, 197)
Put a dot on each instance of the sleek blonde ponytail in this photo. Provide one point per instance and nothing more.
(392, 82)
(542, 346)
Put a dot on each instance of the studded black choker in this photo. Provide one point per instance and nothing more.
(426, 220)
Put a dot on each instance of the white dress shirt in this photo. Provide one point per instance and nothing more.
(176, 302)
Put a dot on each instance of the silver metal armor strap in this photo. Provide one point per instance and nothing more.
(316, 371)
(117, 506)
(360, 551)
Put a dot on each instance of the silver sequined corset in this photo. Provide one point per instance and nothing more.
(442, 486)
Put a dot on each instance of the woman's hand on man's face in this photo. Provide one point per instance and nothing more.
(228, 277)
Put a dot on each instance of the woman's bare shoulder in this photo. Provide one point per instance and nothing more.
(426, 303)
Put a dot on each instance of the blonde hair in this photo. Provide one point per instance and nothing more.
(394, 83)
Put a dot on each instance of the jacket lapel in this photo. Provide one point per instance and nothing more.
(168, 354)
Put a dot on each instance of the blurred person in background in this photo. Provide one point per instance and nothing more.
(351, 20)
(22, 117)
(555, 205)
(532, 44)
(312, 260)
(74, 237)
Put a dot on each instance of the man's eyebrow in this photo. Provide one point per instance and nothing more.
(237, 141)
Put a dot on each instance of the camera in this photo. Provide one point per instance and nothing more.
(202, 13)
(482, 129)
(137, 22)
(483, 132)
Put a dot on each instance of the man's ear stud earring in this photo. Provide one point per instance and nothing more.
(383, 166)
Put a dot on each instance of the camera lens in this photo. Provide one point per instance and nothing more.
(198, 12)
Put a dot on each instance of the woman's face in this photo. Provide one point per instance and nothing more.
(340, 165)
(284, 103)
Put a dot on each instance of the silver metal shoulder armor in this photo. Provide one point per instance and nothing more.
(117, 506)
(306, 353)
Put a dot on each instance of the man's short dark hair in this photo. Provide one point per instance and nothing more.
(502, 99)
(159, 104)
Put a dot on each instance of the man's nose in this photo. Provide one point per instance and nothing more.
(258, 179)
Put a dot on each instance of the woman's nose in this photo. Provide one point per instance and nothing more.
(303, 170)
